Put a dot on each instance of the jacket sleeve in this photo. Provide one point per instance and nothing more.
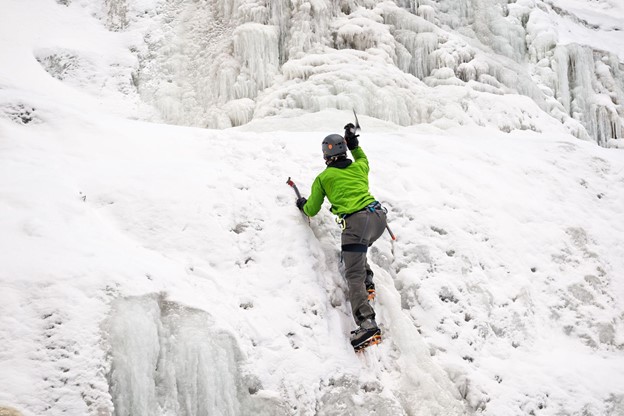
(315, 201)
(360, 157)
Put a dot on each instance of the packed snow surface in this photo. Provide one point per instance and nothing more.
(164, 270)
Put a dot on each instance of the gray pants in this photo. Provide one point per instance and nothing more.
(362, 229)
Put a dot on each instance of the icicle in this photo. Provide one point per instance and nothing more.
(168, 359)
(403, 20)
(227, 10)
(611, 79)
(256, 47)
(310, 27)
(466, 72)
(240, 111)
(133, 336)
(403, 57)
(578, 77)
(588, 91)
(541, 37)
(455, 13)
(561, 65)
(421, 46)
(280, 17)
(427, 13)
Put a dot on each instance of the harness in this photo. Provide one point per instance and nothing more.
(372, 207)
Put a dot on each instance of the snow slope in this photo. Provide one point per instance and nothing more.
(134, 253)
(149, 269)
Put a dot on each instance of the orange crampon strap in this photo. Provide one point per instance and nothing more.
(376, 339)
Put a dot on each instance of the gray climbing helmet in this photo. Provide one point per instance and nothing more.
(334, 145)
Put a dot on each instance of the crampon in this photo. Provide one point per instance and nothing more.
(365, 338)
(373, 341)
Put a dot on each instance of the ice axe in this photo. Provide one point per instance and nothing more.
(357, 123)
(354, 130)
(357, 127)
(292, 185)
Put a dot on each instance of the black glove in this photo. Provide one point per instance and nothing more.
(351, 137)
(301, 202)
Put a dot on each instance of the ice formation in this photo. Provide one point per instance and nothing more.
(220, 64)
(170, 359)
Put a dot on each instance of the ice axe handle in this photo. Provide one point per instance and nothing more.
(292, 184)
(357, 123)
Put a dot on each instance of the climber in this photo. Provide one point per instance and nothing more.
(363, 220)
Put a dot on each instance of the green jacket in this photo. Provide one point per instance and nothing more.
(346, 188)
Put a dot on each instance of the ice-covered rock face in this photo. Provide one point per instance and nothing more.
(170, 359)
(223, 63)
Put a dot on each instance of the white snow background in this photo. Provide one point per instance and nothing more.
(151, 269)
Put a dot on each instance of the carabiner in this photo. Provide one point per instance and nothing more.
(341, 222)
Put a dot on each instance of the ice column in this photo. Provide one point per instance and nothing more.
(280, 17)
(419, 39)
(134, 335)
(455, 13)
(420, 47)
(310, 26)
(167, 359)
(256, 47)
(588, 90)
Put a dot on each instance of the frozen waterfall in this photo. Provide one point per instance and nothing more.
(221, 64)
